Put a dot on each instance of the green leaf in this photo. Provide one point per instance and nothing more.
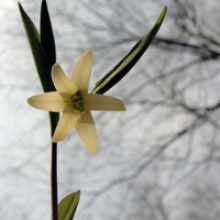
(47, 37)
(43, 51)
(54, 118)
(41, 59)
(129, 60)
(67, 206)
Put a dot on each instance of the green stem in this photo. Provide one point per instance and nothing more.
(54, 211)
(54, 118)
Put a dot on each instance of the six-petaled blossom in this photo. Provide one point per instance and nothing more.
(75, 103)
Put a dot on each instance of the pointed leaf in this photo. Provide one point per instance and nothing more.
(129, 60)
(54, 118)
(47, 37)
(67, 206)
(42, 62)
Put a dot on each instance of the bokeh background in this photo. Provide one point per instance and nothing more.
(159, 160)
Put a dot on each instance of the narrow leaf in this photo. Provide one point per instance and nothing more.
(129, 60)
(47, 37)
(42, 62)
(67, 206)
(54, 118)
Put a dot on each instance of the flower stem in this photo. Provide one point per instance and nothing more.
(54, 211)
(54, 118)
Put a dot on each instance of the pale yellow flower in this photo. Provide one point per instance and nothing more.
(74, 101)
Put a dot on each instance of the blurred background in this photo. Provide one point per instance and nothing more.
(159, 160)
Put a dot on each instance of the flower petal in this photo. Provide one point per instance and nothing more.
(50, 101)
(66, 123)
(80, 74)
(86, 130)
(62, 83)
(102, 102)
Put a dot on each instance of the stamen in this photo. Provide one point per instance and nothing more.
(76, 102)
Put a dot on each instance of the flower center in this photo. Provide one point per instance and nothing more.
(76, 102)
